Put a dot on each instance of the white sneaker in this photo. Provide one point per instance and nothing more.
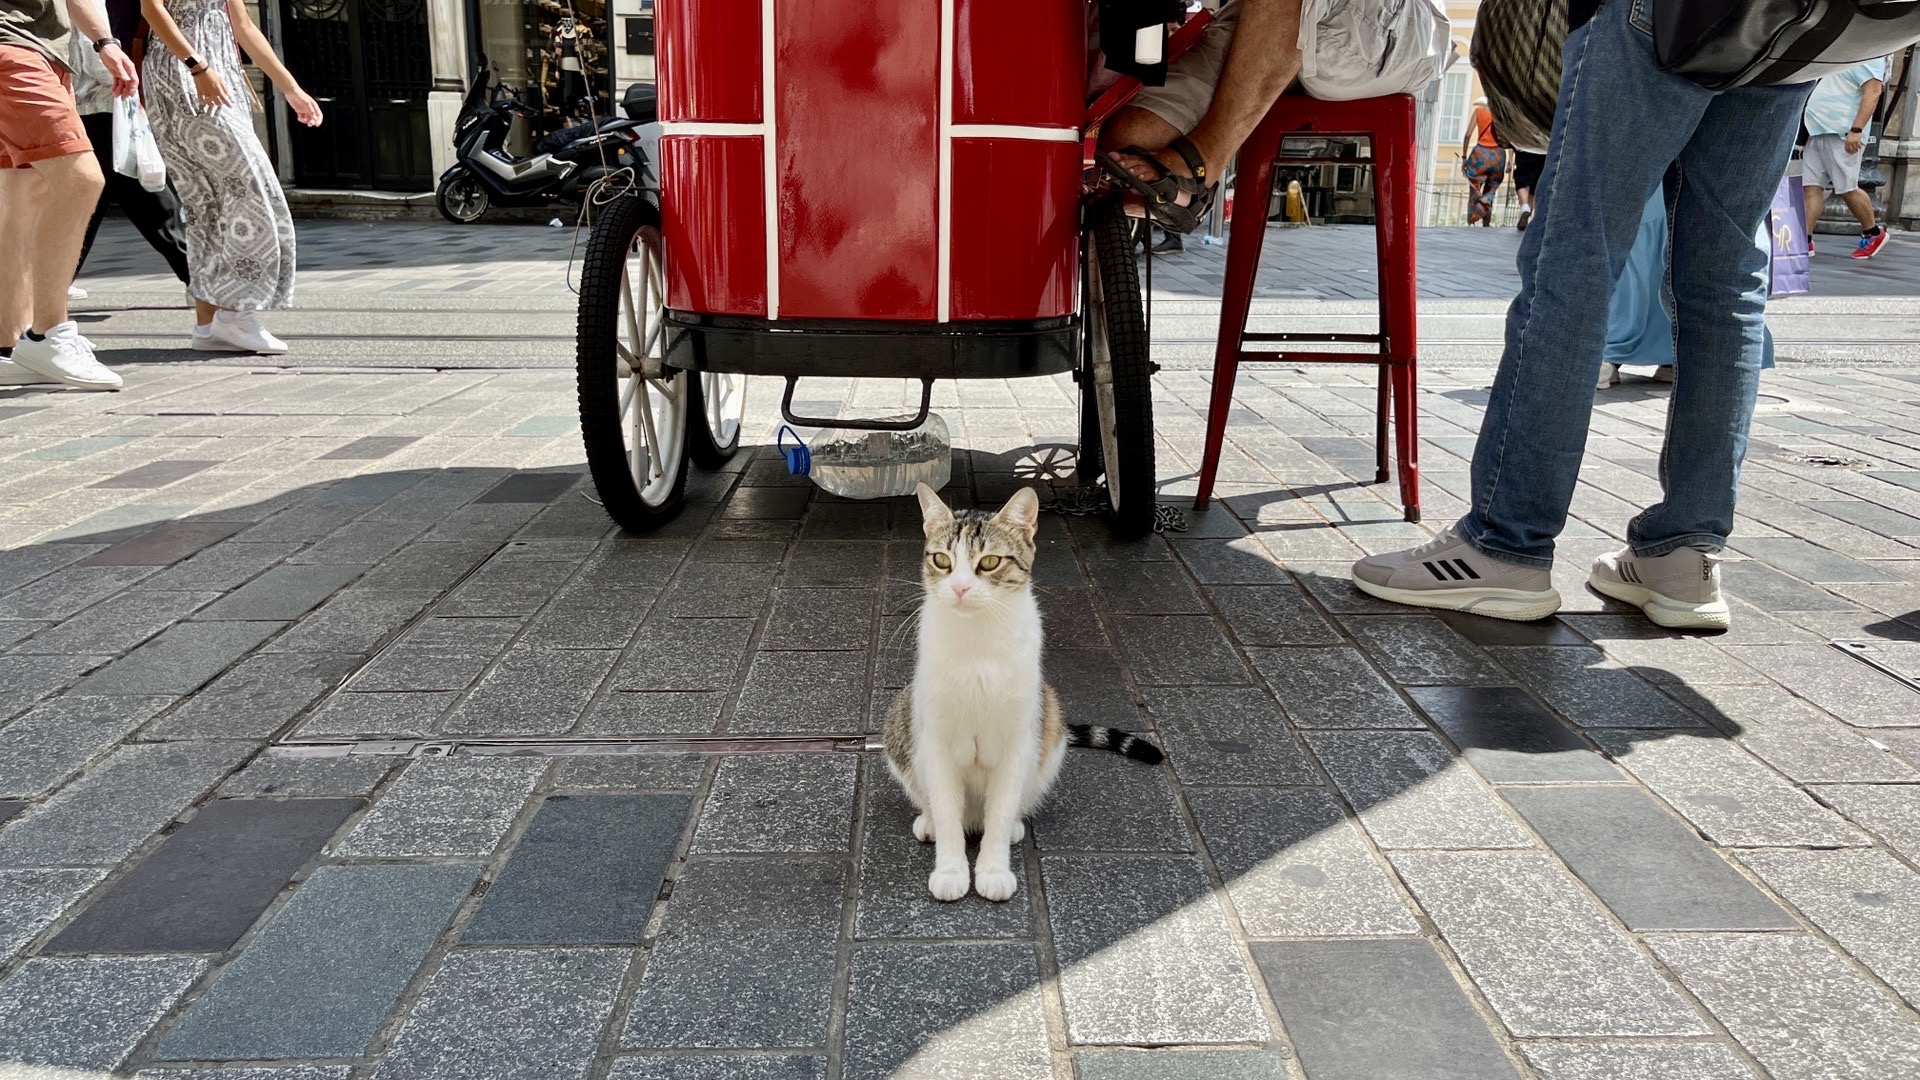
(12, 374)
(75, 292)
(1680, 589)
(67, 357)
(1447, 572)
(236, 331)
(1609, 374)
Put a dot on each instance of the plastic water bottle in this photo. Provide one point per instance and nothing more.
(882, 464)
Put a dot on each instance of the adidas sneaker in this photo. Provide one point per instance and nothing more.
(1447, 572)
(1680, 589)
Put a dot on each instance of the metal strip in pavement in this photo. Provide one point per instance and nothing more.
(576, 747)
(1863, 652)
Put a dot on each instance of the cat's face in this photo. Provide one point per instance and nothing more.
(975, 561)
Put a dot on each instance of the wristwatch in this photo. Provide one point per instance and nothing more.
(106, 41)
(194, 65)
(1856, 131)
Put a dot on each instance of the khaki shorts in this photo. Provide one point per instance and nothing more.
(1826, 164)
(38, 120)
(1191, 78)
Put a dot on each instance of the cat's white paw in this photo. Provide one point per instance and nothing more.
(923, 829)
(948, 884)
(995, 884)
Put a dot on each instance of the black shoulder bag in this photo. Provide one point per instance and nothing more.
(1721, 44)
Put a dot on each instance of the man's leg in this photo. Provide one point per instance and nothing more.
(1728, 176)
(55, 247)
(1816, 197)
(22, 192)
(1861, 204)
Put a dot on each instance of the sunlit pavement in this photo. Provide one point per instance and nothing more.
(1386, 845)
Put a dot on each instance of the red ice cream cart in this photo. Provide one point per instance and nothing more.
(852, 189)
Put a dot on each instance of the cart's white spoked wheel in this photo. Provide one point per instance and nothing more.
(725, 396)
(653, 408)
(1104, 411)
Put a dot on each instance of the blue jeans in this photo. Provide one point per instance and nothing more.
(1620, 124)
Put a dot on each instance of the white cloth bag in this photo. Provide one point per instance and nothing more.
(1368, 48)
(135, 153)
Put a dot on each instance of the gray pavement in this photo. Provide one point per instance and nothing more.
(341, 736)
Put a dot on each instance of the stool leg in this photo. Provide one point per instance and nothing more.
(1252, 190)
(1382, 408)
(1400, 284)
(1406, 430)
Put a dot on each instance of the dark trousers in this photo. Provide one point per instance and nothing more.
(155, 213)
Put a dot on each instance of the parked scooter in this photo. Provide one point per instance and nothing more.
(561, 168)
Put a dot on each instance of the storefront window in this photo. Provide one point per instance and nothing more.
(554, 52)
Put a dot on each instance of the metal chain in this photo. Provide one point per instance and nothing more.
(1085, 501)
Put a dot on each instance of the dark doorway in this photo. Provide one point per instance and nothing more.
(367, 62)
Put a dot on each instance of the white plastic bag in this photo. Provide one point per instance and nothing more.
(1367, 48)
(135, 153)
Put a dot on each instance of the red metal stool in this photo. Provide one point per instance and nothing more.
(1388, 123)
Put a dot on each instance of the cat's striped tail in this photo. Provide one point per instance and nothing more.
(1120, 742)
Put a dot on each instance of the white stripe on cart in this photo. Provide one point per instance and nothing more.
(768, 138)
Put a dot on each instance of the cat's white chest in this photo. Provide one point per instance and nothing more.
(978, 692)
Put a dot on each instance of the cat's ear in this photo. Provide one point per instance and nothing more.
(1023, 510)
(934, 514)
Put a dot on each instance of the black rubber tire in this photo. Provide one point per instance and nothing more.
(466, 178)
(1130, 476)
(596, 361)
(707, 451)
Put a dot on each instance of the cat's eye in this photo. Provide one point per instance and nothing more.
(987, 564)
(941, 560)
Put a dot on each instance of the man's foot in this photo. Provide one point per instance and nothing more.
(1680, 589)
(236, 331)
(1447, 572)
(1174, 185)
(1526, 216)
(75, 292)
(1871, 243)
(1609, 374)
(12, 374)
(64, 356)
(1170, 244)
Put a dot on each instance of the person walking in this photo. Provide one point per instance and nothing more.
(156, 214)
(1621, 123)
(1836, 119)
(1484, 161)
(240, 245)
(1526, 177)
(48, 183)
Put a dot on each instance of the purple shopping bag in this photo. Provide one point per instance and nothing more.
(1790, 266)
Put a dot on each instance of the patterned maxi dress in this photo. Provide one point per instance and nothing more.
(239, 232)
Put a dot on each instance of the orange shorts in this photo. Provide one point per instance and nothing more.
(38, 120)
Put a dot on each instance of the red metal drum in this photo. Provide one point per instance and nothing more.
(902, 167)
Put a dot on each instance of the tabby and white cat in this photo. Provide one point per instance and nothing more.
(977, 739)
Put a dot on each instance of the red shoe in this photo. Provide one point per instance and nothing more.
(1871, 243)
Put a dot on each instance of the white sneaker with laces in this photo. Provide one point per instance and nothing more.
(1609, 374)
(237, 331)
(1447, 572)
(75, 292)
(1680, 589)
(12, 374)
(67, 357)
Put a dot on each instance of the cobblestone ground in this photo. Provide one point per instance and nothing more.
(1386, 845)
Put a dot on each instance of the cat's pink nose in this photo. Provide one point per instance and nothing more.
(960, 592)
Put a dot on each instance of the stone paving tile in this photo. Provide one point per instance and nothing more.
(1180, 1064)
(356, 620)
(631, 772)
(1646, 865)
(84, 1015)
(407, 667)
(165, 544)
(289, 1072)
(1145, 954)
(777, 1067)
(1146, 588)
(363, 927)
(51, 743)
(514, 1014)
(26, 680)
(1868, 901)
(1508, 737)
(803, 691)
(1546, 956)
(1635, 1061)
(532, 691)
(946, 1012)
(1808, 561)
(720, 590)
(1772, 591)
(1377, 1010)
(220, 567)
(117, 624)
(393, 715)
(1890, 811)
(180, 659)
(1795, 1005)
(1421, 650)
(30, 901)
(1106, 802)
(64, 593)
(745, 957)
(1484, 631)
(1835, 682)
(1332, 688)
(821, 619)
(1726, 793)
(1178, 651)
(1271, 615)
(835, 564)
(893, 901)
(306, 778)
(779, 803)
(1592, 691)
(284, 593)
(685, 654)
(205, 884)
(255, 698)
(654, 712)
(10, 808)
(1411, 792)
(1295, 866)
(1806, 745)
(100, 819)
(447, 807)
(1227, 736)
(1092, 687)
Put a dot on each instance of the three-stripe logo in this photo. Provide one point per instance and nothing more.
(1450, 569)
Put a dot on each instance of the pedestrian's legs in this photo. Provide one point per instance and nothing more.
(70, 187)
(1816, 204)
(1620, 122)
(21, 192)
(1728, 175)
(155, 213)
(1862, 206)
(100, 132)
